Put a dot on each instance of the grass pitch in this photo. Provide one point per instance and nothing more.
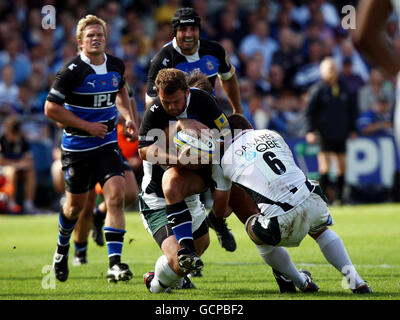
(369, 232)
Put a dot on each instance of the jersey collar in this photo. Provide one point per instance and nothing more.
(183, 115)
(99, 69)
(194, 57)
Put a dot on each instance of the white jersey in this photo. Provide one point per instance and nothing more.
(261, 162)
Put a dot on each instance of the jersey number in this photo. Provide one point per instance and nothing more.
(274, 163)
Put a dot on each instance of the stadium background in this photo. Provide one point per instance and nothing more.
(274, 81)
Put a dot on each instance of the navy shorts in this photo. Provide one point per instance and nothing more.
(82, 170)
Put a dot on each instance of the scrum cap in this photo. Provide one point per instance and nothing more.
(185, 16)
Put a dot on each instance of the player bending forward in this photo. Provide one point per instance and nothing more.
(260, 162)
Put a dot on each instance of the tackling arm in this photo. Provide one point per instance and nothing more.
(231, 88)
(370, 38)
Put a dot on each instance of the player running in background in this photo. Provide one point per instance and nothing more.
(260, 162)
(82, 98)
(190, 53)
(92, 217)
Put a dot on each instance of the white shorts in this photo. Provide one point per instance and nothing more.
(308, 217)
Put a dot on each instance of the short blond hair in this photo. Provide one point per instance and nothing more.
(90, 19)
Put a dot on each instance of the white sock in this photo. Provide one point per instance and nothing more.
(279, 259)
(335, 252)
(164, 276)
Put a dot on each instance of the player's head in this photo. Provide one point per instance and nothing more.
(238, 123)
(91, 34)
(173, 90)
(200, 81)
(186, 24)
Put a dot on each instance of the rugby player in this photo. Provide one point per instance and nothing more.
(260, 162)
(82, 99)
(192, 54)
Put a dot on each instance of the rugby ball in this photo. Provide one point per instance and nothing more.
(202, 145)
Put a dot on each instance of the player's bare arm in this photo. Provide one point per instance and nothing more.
(61, 115)
(221, 203)
(125, 106)
(370, 38)
(231, 88)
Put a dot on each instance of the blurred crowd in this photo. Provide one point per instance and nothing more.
(275, 46)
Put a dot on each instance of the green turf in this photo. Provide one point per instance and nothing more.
(370, 233)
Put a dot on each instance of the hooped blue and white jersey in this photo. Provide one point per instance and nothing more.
(89, 92)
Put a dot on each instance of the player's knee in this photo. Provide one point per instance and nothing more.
(72, 211)
(173, 187)
(115, 200)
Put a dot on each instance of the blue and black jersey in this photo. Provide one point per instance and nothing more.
(210, 59)
(89, 91)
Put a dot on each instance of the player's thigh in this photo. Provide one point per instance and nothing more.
(107, 164)
(318, 213)
(78, 171)
(182, 182)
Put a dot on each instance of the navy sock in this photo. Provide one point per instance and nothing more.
(114, 239)
(180, 219)
(80, 248)
(65, 228)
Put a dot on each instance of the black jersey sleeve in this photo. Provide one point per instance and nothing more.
(208, 111)
(160, 61)
(63, 84)
(225, 65)
(155, 120)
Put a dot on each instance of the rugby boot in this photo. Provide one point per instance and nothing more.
(285, 285)
(119, 272)
(362, 289)
(60, 265)
(148, 278)
(309, 286)
(225, 236)
(189, 261)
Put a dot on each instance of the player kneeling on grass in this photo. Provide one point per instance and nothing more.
(260, 162)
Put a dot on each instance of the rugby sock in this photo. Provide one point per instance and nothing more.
(80, 249)
(335, 252)
(99, 215)
(114, 240)
(278, 258)
(180, 219)
(324, 182)
(339, 187)
(164, 276)
(65, 228)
